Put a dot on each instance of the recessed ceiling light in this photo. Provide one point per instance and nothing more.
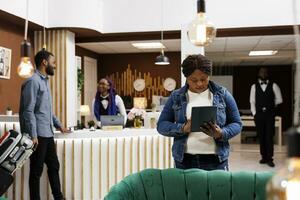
(262, 53)
(148, 45)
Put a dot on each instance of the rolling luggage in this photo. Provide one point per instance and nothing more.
(15, 149)
(6, 180)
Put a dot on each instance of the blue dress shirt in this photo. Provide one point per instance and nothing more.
(36, 117)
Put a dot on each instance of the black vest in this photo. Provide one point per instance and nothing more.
(264, 100)
(103, 111)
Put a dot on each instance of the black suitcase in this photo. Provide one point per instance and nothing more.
(6, 180)
(15, 149)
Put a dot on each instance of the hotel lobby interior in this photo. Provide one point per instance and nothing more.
(136, 48)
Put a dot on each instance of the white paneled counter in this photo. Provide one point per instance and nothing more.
(93, 161)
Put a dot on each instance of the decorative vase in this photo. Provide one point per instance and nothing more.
(9, 112)
(152, 122)
(137, 122)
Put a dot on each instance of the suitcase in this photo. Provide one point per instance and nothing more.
(6, 180)
(15, 149)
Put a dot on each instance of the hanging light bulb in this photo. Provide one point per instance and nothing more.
(44, 28)
(25, 68)
(162, 59)
(201, 32)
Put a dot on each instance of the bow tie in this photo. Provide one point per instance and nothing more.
(263, 82)
(103, 98)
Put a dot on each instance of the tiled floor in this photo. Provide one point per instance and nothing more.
(246, 157)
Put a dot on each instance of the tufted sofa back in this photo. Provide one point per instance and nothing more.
(192, 184)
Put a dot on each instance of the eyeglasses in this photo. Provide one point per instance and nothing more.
(101, 83)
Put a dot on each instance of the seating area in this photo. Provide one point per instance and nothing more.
(192, 184)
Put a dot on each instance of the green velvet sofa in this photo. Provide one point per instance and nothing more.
(192, 184)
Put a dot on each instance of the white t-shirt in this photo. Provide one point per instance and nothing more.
(199, 142)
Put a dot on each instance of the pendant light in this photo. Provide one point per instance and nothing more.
(44, 39)
(201, 32)
(162, 59)
(25, 68)
(44, 28)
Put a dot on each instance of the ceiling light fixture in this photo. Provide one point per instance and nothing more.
(201, 31)
(148, 45)
(25, 68)
(263, 53)
(162, 59)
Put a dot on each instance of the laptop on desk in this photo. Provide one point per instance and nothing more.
(112, 122)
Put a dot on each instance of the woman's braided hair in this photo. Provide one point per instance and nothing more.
(193, 62)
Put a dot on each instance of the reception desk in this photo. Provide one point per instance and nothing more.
(248, 121)
(93, 161)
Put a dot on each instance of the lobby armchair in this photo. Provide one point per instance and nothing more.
(192, 184)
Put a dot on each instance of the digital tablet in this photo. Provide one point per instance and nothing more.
(201, 115)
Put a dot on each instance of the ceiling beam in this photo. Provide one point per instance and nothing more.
(155, 35)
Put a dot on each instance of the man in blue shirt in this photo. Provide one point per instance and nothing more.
(37, 119)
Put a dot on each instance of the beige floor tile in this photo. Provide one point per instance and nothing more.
(246, 157)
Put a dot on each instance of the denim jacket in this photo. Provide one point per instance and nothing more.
(173, 117)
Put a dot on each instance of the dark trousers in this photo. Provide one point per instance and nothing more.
(201, 161)
(45, 153)
(265, 127)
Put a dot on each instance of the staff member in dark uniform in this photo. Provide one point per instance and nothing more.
(265, 96)
(107, 102)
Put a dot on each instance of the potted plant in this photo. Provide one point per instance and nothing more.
(80, 81)
(91, 125)
(8, 110)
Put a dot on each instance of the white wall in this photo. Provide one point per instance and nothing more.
(18, 8)
(71, 80)
(59, 13)
(143, 15)
(90, 84)
(237, 13)
(76, 13)
(225, 81)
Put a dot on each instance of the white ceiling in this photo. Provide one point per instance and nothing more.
(126, 47)
(226, 51)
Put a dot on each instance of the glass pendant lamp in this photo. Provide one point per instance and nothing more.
(201, 31)
(25, 68)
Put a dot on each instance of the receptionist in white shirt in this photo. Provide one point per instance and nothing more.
(107, 102)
